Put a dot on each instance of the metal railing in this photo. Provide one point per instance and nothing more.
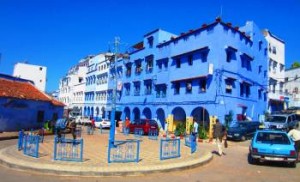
(153, 134)
(68, 149)
(138, 132)
(190, 141)
(31, 145)
(169, 148)
(124, 151)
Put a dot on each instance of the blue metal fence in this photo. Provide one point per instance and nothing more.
(124, 151)
(20, 140)
(78, 131)
(169, 148)
(126, 131)
(68, 149)
(138, 132)
(31, 145)
(190, 141)
(153, 134)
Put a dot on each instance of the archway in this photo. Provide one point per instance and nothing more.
(103, 112)
(179, 114)
(161, 117)
(136, 114)
(85, 111)
(201, 115)
(127, 112)
(92, 112)
(147, 113)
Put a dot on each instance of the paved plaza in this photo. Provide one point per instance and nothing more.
(95, 154)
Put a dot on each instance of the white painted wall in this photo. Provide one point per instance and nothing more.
(292, 84)
(38, 74)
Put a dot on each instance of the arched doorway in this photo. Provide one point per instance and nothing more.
(127, 112)
(161, 117)
(102, 112)
(136, 114)
(201, 115)
(92, 112)
(179, 114)
(147, 113)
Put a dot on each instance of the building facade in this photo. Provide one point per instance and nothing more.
(276, 62)
(292, 86)
(207, 73)
(96, 87)
(72, 86)
(38, 74)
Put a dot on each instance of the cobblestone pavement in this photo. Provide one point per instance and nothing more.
(95, 158)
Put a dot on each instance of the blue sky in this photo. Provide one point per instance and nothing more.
(58, 33)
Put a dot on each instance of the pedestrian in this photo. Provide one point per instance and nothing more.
(127, 122)
(295, 135)
(195, 130)
(218, 133)
(93, 123)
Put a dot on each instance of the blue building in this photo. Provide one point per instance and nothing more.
(210, 72)
(23, 106)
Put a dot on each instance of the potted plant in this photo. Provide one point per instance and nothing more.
(180, 130)
(202, 134)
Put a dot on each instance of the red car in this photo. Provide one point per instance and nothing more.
(145, 124)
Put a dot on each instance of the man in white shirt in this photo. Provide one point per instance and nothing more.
(295, 135)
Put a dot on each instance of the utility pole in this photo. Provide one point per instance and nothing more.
(114, 96)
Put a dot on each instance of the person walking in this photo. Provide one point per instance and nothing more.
(218, 133)
(195, 130)
(295, 135)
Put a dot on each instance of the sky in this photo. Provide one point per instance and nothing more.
(58, 33)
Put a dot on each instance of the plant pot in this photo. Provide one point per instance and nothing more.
(200, 140)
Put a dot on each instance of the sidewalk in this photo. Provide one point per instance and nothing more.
(95, 158)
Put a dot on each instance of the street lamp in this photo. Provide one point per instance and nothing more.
(113, 61)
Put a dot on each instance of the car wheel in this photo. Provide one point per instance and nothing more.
(251, 160)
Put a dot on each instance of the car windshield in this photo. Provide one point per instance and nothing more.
(276, 119)
(272, 138)
(238, 125)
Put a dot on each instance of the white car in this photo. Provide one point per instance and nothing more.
(104, 123)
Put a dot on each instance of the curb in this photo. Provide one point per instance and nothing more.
(75, 170)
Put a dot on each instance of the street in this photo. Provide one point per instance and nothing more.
(231, 167)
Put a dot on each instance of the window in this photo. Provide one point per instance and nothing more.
(127, 89)
(245, 89)
(150, 41)
(229, 85)
(41, 68)
(40, 116)
(148, 88)
(138, 67)
(190, 60)
(128, 70)
(246, 61)
(149, 66)
(281, 67)
(260, 45)
(178, 63)
(202, 86)
(161, 91)
(176, 88)
(259, 94)
(274, 50)
(296, 90)
(230, 54)
(189, 87)
(259, 69)
(137, 88)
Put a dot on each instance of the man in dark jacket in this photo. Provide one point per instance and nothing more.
(218, 133)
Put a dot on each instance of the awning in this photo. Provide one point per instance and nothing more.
(241, 105)
(190, 78)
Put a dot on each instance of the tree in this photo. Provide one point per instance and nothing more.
(296, 64)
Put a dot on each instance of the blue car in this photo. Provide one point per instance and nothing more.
(272, 145)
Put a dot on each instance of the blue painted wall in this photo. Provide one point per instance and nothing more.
(17, 114)
(208, 46)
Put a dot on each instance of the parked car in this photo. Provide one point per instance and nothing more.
(281, 121)
(272, 145)
(145, 124)
(242, 130)
(105, 123)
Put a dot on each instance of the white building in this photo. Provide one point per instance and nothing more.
(38, 74)
(292, 86)
(276, 57)
(96, 92)
(72, 86)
